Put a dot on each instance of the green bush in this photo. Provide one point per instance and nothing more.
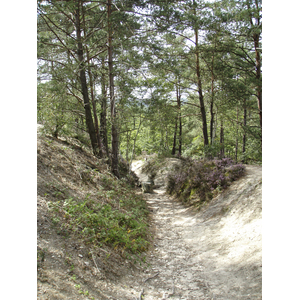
(120, 222)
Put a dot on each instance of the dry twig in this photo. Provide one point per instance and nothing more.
(151, 277)
(95, 263)
(141, 294)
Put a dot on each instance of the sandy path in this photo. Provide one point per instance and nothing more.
(214, 254)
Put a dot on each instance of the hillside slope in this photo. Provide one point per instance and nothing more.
(70, 267)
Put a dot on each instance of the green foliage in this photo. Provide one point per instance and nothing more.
(148, 67)
(121, 222)
(54, 109)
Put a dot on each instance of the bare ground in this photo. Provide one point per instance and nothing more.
(211, 254)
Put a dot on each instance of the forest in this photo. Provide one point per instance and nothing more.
(131, 77)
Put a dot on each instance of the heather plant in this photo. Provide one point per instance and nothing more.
(198, 181)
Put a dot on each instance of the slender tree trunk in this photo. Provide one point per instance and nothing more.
(178, 117)
(83, 82)
(174, 139)
(222, 140)
(101, 150)
(244, 136)
(180, 134)
(178, 96)
(258, 76)
(215, 124)
(199, 84)
(237, 134)
(103, 126)
(212, 112)
(113, 113)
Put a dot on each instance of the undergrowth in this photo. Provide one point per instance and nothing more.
(197, 181)
(118, 218)
(88, 203)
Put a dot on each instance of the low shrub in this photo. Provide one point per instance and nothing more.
(118, 218)
(201, 180)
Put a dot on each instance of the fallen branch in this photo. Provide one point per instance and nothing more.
(104, 250)
(141, 294)
(151, 277)
(95, 263)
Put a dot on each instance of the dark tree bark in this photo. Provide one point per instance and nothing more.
(222, 140)
(180, 134)
(83, 82)
(178, 96)
(244, 136)
(237, 134)
(113, 113)
(103, 126)
(100, 146)
(200, 93)
(212, 115)
(258, 76)
(178, 118)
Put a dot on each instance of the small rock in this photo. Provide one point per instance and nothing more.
(80, 255)
(86, 263)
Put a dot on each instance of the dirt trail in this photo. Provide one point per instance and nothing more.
(212, 254)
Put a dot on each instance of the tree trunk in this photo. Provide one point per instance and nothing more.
(258, 76)
(103, 126)
(237, 134)
(101, 150)
(174, 139)
(212, 102)
(222, 140)
(178, 96)
(244, 136)
(201, 99)
(84, 89)
(178, 117)
(212, 113)
(180, 134)
(113, 113)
